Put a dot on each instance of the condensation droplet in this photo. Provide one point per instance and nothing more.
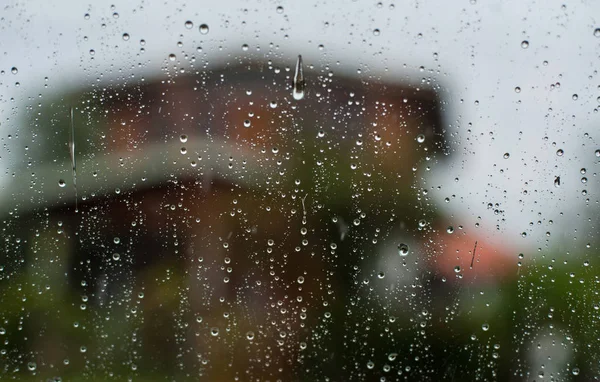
(189, 25)
(203, 29)
(403, 249)
(524, 44)
(298, 84)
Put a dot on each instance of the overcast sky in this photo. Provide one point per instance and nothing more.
(473, 50)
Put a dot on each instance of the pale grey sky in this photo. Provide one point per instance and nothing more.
(473, 50)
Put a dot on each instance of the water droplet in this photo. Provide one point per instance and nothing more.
(575, 97)
(250, 335)
(279, 10)
(189, 25)
(421, 138)
(298, 84)
(273, 104)
(116, 240)
(370, 365)
(300, 280)
(214, 332)
(183, 138)
(575, 370)
(485, 327)
(597, 152)
(381, 275)
(125, 36)
(557, 182)
(247, 123)
(457, 269)
(524, 44)
(392, 357)
(517, 90)
(560, 152)
(116, 257)
(376, 32)
(31, 366)
(183, 151)
(403, 249)
(506, 155)
(14, 70)
(245, 47)
(203, 29)
(597, 32)
(61, 183)
(450, 229)
(199, 319)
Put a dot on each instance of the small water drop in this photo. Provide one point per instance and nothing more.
(116, 257)
(557, 182)
(125, 36)
(403, 249)
(560, 152)
(61, 183)
(524, 44)
(597, 32)
(189, 25)
(14, 70)
(203, 29)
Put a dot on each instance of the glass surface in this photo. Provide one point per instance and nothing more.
(313, 191)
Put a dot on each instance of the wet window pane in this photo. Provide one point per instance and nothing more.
(316, 191)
